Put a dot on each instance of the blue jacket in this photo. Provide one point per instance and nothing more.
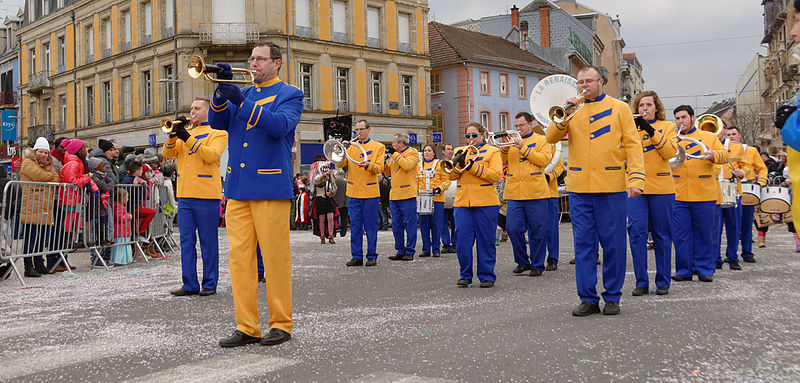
(260, 140)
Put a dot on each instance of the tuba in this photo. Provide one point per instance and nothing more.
(336, 151)
(452, 165)
(504, 139)
(197, 68)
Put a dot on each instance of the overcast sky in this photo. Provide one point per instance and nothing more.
(671, 68)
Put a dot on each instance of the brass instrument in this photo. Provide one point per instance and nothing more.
(336, 151)
(504, 139)
(709, 123)
(168, 125)
(558, 113)
(452, 165)
(197, 68)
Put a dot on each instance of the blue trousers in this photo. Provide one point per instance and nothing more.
(692, 234)
(746, 230)
(599, 216)
(716, 243)
(552, 230)
(522, 216)
(731, 218)
(199, 217)
(363, 219)
(448, 234)
(476, 225)
(655, 210)
(430, 227)
(404, 219)
(259, 260)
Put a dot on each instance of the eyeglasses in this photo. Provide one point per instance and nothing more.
(473, 135)
(258, 59)
(581, 82)
(520, 125)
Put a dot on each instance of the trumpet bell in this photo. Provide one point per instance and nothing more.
(197, 69)
(452, 165)
(709, 123)
(167, 125)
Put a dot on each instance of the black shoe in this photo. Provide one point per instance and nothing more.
(464, 282)
(572, 261)
(31, 273)
(237, 339)
(396, 257)
(535, 273)
(584, 309)
(551, 266)
(487, 284)
(520, 269)
(662, 290)
(261, 279)
(275, 336)
(181, 292)
(435, 255)
(719, 265)
(407, 257)
(639, 291)
(749, 259)
(705, 278)
(611, 308)
(207, 292)
(425, 254)
(735, 266)
(371, 262)
(450, 250)
(355, 262)
(680, 278)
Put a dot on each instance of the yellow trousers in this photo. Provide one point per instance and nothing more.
(793, 161)
(265, 222)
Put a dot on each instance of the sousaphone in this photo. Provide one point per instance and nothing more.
(547, 104)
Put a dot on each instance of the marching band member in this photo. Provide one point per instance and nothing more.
(527, 194)
(363, 191)
(731, 217)
(261, 122)
(448, 226)
(695, 201)
(199, 191)
(432, 177)
(755, 171)
(402, 168)
(602, 137)
(654, 206)
(477, 206)
(553, 218)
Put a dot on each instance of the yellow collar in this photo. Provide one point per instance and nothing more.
(268, 83)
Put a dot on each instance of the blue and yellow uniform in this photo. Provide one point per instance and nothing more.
(258, 186)
(363, 193)
(430, 225)
(553, 218)
(654, 207)
(476, 209)
(403, 167)
(602, 138)
(199, 193)
(696, 195)
(527, 193)
(731, 217)
(756, 171)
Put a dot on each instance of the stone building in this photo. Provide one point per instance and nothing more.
(780, 68)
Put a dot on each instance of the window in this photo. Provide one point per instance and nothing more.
(32, 62)
(147, 23)
(373, 27)
(168, 90)
(45, 7)
(125, 18)
(503, 122)
(523, 92)
(127, 98)
(407, 95)
(340, 21)
(32, 114)
(107, 103)
(305, 85)
(48, 113)
(436, 82)
(106, 38)
(303, 18)
(147, 93)
(504, 84)
(62, 112)
(403, 32)
(169, 27)
(62, 54)
(375, 85)
(484, 82)
(89, 104)
(47, 61)
(485, 120)
(438, 122)
(88, 39)
(342, 89)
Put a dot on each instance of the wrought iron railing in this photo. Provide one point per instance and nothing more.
(228, 33)
(39, 81)
(7, 98)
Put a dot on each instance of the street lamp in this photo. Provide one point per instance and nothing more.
(174, 80)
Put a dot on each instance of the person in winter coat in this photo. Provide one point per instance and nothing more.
(74, 172)
(99, 205)
(36, 209)
(122, 253)
(138, 198)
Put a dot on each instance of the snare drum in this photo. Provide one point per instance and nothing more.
(728, 193)
(776, 199)
(751, 193)
(425, 202)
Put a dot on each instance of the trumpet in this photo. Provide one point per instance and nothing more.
(336, 151)
(197, 68)
(452, 165)
(504, 139)
(168, 125)
(558, 114)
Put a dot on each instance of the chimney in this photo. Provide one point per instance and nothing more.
(544, 22)
(515, 16)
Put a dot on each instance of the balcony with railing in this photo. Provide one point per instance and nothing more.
(147, 39)
(39, 82)
(407, 110)
(124, 46)
(46, 131)
(228, 33)
(377, 108)
(343, 106)
(7, 98)
(106, 53)
(308, 103)
(61, 68)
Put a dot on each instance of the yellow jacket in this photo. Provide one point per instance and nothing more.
(198, 161)
(602, 137)
(361, 182)
(696, 180)
(439, 179)
(476, 185)
(736, 161)
(403, 167)
(756, 170)
(557, 170)
(525, 178)
(658, 149)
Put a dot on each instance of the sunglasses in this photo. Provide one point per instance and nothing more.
(473, 135)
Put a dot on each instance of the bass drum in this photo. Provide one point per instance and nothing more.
(728, 193)
(776, 199)
(751, 193)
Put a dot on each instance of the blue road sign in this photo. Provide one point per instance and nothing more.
(437, 138)
(153, 142)
(412, 138)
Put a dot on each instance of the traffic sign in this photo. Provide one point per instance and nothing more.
(16, 164)
(412, 138)
(294, 156)
(437, 138)
(152, 140)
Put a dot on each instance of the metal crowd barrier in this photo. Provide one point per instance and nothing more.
(161, 226)
(563, 203)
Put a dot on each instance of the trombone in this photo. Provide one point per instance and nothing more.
(168, 125)
(558, 114)
(504, 139)
(452, 165)
(197, 68)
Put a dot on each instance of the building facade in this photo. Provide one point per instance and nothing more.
(780, 68)
(631, 74)
(9, 82)
(114, 69)
(753, 123)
